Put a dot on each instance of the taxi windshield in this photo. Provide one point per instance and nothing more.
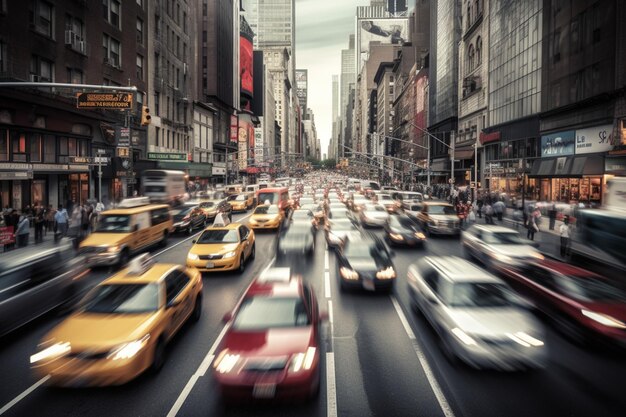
(266, 210)
(113, 223)
(435, 209)
(219, 236)
(261, 312)
(123, 299)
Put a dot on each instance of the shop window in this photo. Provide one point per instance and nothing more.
(4, 145)
(35, 147)
(49, 149)
(72, 147)
(18, 147)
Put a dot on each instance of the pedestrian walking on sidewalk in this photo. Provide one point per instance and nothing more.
(552, 216)
(39, 223)
(60, 219)
(23, 231)
(50, 212)
(564, 231)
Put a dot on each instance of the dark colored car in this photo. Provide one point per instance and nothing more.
(365, 263)
(404, 230)
(297, 239)
(337, 230)
(584, 305)
(272, 347)
(188, 217)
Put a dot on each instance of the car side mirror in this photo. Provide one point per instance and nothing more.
(194, 241)
(174, 303)
(227, 317)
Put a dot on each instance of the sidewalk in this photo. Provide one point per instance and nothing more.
(49, 237)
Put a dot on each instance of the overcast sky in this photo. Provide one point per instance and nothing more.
(322, 30)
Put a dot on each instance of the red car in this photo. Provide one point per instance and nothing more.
(271, 348)
(584, 305)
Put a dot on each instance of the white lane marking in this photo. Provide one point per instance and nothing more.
(269, 265)
(326, 263)
(327, 284)
(20, 397)
(330, 314)
(203, 367)
(434, 385)
(331, 391)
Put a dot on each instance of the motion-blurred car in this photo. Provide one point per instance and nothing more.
(121, 327)
(306, 216)
(365, 262)
(36, 280)
(373, 215)
(272, 345)
(404, 230)
(357, 202)
(388, 202)
(266, 217)
(477, 315)
(583, 305)
(214, 206)
(188, 217)
(241, 202)
(297, 239)
(439, 218)
(317, 209)
(222, 248)
(336, 230)
(497, 246)
(412, 209)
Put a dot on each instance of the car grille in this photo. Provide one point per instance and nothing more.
(261, 220)
(209, 257)
(92, 249)
(265, 365)
(86, 355)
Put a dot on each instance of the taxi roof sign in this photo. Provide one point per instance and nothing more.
(104, 100)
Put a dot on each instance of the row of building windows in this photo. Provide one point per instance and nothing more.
(171, 140)
(19, 146)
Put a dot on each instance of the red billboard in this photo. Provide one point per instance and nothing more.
(246, 66)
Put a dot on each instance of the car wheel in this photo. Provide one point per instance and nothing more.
(205, 223)
(158, 358)
(253, 252)
(446, 346)
(189, 230)
(197, 309)
(242, 264)
(164, 240)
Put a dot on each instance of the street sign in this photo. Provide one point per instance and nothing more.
(81, 160)
(104, 160)
(167, 156)
(472, 184)
(123, 136)
(123, 152)
(104, 100)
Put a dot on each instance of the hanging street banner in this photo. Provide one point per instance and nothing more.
(104, 101)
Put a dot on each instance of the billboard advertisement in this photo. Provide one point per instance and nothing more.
(384, 30)
(242, 154)
(595, 139)
(301, 87)
(246, 66)
(558, 144)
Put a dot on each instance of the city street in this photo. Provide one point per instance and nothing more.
(381, 359)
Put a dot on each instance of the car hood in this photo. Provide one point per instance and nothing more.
(515, 251)
(363, 264)
(272, 342)
(266, 217)
(444, 217)
(101, 332)
(295, 244)
(213, 248)
(376, 214)
(493, 322)
(103, 239)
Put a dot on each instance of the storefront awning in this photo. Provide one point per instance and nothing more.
(543, 168)
(568, 167)
(464, 154)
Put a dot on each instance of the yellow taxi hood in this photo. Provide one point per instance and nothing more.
(104, 239)
(213, 248)
(267, 217)
(102, 331)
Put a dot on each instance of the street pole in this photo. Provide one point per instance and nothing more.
(100, 152)
(226, 170)
(475, 171)
(451, 162)
(428, 165)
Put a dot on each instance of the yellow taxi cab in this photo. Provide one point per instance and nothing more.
(266, 216)
(133, 226)
(241, 202)
(222, 248)
(122, 326)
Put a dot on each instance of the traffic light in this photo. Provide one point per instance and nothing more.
(468, 175)
(145, 116)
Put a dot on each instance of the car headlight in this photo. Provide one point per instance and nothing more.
(396, 236)
(604, 319)
(112, 249)
(128, 350)
(501, 257)
(387, 273)
(348, 273)
(420, 235)
(463, 337)
(52, 352)
(229, 254)
(193, 256)
(302, 361)
(537, 255)
(525, 339)
(226, 362)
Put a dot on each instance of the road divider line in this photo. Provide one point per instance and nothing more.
(23, 395)
(326, 263)
(330, 313)
(430, 376)
(331, 390)
(327, 284)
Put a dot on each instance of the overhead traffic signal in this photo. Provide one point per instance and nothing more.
(145, 116)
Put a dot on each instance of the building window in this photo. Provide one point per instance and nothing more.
(74, 76)
(49, 149)
(111, 12)
(41, 70)
(140, 31)
(139, 67)
(112, 51)
(3, 57)
(157, 107)
(479, 50)
(18, 146)
(35, 147)
(470, 58)
(4, 145)
(43, 18)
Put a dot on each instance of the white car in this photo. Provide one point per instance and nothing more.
(478, 317)
(373, 215)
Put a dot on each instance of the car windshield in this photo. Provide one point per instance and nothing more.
(480, 294)
(268, 198)
(219, 236)
(441, 209)
(385, 197)
(342, 225)
(592, 289)
(301, 214)
(181, 212)
(502, 238)
(359, 249)
(416, 207)
(122, 299)
(113, 223)
(403, 223)
(261, 312)
(207, 204)
(266, 210)
(241, 197)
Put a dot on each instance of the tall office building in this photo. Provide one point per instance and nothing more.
(335, 104)
(347, 80)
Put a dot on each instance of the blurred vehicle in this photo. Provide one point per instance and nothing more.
(305, 201)
(317, 209)
(121, 327)
(583, 305)
(266, 217)
(390, 204)
(412, 209)
(306, 216)
(409, 197)
(336, 231)
(340, 214)
(163, 186)
(133, 226)
(275, 196)
(241, 202)
(373, 185)
(336, 206)
(439, 218)
(36, 280)
(213, 206)
(357, 201)
(477, 316)
(498, 246)
(233, 189)
(389, 188)
(365, 262)
(373, 215)
(252, 188)
(188, 217)
(404, 230)
(222, 248)
(297, 239)
(272, 345)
